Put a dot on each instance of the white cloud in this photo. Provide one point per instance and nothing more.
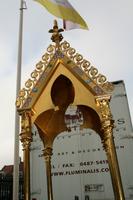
(5, 56)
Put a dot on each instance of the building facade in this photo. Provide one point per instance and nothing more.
(6, 182)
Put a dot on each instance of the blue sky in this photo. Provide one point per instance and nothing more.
(108, 45)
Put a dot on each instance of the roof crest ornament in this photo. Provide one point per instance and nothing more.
(55, 51)
(56, 34)
(86, 66)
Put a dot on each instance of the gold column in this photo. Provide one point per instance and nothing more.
(106, 135)
(47, 152)
(25, 138)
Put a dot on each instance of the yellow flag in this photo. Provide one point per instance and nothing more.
(63, 9)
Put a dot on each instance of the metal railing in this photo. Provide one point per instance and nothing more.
(6, 187)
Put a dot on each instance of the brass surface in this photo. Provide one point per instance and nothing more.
(107, 125)
(47, 153)
(56, 36)
(51, 124)
(45, 101)
(52, 121)
(67, 55)
(62, 78)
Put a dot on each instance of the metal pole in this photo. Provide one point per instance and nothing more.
(17, 123)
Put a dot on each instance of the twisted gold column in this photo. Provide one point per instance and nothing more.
(107, 125)
(109, 146)
(25, 138)
(47, 152)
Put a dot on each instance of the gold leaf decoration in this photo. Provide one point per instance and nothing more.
(64, 49)
(85, 65)
(35, 75)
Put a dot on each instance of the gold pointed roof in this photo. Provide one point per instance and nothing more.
(61, 52)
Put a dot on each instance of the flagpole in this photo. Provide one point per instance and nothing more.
(17, 122)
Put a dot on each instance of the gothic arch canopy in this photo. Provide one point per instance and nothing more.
(79, 83)
(67, 62)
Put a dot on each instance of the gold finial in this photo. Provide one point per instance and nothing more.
(56, 36)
